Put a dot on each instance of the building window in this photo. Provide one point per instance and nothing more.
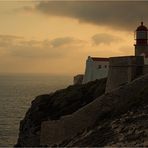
(99, 66)
(105, 66)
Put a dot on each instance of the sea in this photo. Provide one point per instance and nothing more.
(16, 93)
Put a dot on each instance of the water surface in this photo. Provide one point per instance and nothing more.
(16, 94)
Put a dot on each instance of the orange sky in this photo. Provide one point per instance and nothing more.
(33, 42)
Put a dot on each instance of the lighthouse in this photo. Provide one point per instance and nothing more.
(141, 46)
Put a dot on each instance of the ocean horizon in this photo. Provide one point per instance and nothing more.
(16, 94)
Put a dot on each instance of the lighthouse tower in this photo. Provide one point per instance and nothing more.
(141, 46)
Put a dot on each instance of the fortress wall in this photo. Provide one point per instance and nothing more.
(123, 70)
(78, 79)
(145, 69)
(68, 127)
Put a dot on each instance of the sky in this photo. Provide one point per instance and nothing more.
(56, 37)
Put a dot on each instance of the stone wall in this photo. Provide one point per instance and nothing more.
(123, 70)
(78, 79)
(103, 109)
(145, 69)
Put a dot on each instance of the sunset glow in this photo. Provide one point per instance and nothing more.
(34, 41)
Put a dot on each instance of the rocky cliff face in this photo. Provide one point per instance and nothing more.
(124, 122)
(53, 106)
(127, 130)
(118, 118)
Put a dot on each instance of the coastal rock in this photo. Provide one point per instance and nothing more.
(118, 118)
(53, 106)
(115, 119)
(132, 132)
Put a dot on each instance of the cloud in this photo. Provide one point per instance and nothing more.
(54, 48)
(9, 40)
(104, 38)
(61, 41)
(116, 14)
(8, 37)
(24, 9)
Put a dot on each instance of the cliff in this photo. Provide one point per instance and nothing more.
(117, 118)
(53, 106)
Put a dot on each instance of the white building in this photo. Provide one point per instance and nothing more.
(96, 68)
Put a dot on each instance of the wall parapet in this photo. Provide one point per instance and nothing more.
(123, 70)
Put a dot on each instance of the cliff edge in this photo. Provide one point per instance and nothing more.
(52, 106)
(83, 116)
(118, 118)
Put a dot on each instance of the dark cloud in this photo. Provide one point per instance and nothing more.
(104, 38)
(116, 14)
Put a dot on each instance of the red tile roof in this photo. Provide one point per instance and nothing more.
(99, 59)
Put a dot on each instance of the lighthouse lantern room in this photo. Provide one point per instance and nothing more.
(141, 46)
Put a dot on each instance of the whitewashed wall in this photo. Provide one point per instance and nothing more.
(93, 72)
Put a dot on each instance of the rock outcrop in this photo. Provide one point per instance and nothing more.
(128, 130)
(96, 118)
(117, 118)
(53, 106)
